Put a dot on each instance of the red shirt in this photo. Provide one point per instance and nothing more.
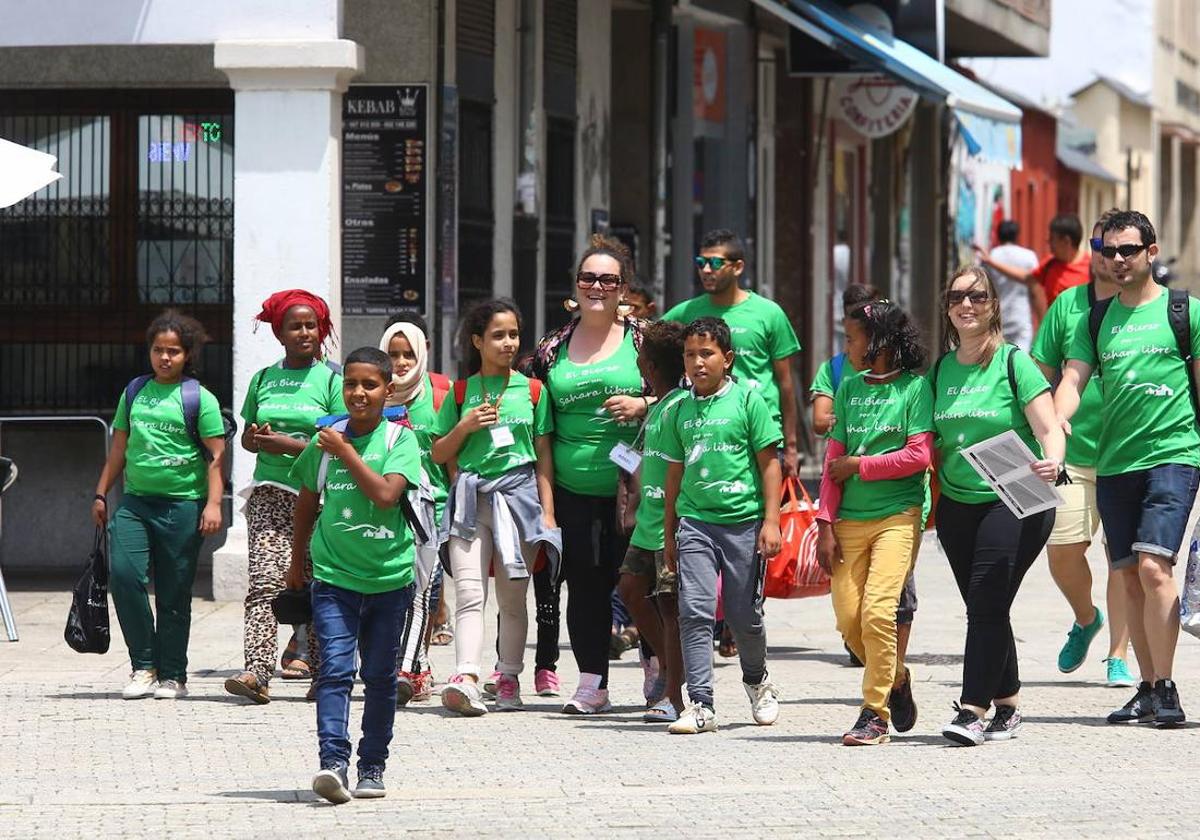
(1057, 276)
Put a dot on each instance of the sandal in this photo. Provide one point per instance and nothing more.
(661, 712)
(443, 634)
(295, 669)
(247, 685)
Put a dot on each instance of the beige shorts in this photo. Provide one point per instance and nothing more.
(1078, 518)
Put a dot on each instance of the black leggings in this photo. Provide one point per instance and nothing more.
(546, 592)
(592, 553)
(990, 550)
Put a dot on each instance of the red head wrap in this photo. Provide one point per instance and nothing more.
(275, 308)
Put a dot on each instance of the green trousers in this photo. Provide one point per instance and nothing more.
(159, 537)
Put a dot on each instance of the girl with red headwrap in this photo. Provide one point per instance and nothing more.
(282, 405)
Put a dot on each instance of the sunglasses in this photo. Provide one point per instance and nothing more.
(1097, 243)
(977, 298)
(715, 263)
(607, 282)
(1126, 251)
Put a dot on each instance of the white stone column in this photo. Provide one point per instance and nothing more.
(287, 211)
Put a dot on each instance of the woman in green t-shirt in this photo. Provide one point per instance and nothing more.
(171, 463)
(981, 388)
(494, 435)
(283, 404)
(599, 398)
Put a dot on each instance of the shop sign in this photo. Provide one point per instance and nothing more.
(708, 76)
(874, 106)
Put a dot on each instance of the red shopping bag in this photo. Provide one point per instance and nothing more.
(794, 572)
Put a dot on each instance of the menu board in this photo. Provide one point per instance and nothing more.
(384, 200)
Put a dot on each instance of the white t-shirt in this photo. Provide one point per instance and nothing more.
(1016, 316)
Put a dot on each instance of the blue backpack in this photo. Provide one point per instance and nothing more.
(836, 365)
(189, 391)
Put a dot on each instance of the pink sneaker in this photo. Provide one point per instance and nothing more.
(546, 684)
(508, 694)
(589, 699)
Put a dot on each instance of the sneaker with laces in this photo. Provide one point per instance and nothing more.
(370, 783)
(902, 706)
(546, 684)
(868, 730)
(170, 690)
(1118, 673)
(1167, 712)
(508, 694)
(764, 701)
(422, 687)
(489, 686)
(142, 683)
(1079, 639)
(331, 783)
(1006, 722)
(589, 697)
(1139, 709)
(696, 718)
(966, 729)
(462, 695)
(406, 687)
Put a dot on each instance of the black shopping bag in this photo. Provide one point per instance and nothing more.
(87, 628)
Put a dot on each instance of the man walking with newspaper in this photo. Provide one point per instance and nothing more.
(1144, 343)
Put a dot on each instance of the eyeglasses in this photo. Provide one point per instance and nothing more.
(715, 263)
(977, 298)
(607, 282)
(1126, 251)
(1097, 243)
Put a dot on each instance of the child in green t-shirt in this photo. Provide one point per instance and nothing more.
(872, 493)
(362, 558)
(495, 432)
(721, 517)
(172, 500)
(833, 372)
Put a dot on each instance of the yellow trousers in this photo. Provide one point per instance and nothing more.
(877, 555)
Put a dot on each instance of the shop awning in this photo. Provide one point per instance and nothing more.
(991, 125)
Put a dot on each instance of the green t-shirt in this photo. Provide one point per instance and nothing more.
(291, 400)
(822, 384)
(876, 420)
(424, 423)
(1147, 416)
(1067, 315)
(358, 545)
(718, 439)
(648, 532)
(517, 411)
(161, 459)
(584, 431)
(973, 403)
(762, 334)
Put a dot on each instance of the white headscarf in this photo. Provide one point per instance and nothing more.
(411, 386)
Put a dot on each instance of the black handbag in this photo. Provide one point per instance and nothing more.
(87, 629)
(293, 606)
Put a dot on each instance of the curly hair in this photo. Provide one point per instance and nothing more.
(609, 247)
(710, 327)
(889, 329)
(662, 344)
(191, 333)
(476, 321)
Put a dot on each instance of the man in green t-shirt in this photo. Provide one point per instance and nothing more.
(721, 516)
(1149, 451)
(1076, 520)
(362, 556)
(763, 338)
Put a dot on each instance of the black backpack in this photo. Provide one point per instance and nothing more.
(1179, 321)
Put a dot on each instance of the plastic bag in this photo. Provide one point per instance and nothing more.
(794, 571)
(87, 629)
(1189, 599)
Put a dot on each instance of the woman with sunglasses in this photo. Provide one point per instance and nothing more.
(591, 372)
(981, 388)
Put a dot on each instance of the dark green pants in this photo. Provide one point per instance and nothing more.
(153, 535)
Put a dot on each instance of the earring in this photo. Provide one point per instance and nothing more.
(571, 305)
(624, 310)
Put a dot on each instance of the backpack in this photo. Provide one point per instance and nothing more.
(1012, 372)
(441, 387)
(460, 391)
(189, 391)
(836, 365)
(1178, 319)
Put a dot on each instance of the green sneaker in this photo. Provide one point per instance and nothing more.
(1118, 674)
(1079, 639)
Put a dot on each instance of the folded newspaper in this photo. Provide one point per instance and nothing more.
(1003, 462)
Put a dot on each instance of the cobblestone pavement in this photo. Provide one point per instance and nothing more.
(77, 761)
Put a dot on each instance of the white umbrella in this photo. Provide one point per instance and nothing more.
(23, 171)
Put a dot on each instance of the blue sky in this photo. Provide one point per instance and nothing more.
(1125, 28)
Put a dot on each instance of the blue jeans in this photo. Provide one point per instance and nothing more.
(350, 624)
(1146, 511)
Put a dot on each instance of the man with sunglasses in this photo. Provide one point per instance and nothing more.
(1066, 266)
(763, 338)
(1149, 449)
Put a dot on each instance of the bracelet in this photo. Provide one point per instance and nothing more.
(646, 403)
(100, 497)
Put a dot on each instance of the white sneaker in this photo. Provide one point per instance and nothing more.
(589, 697)
(462, 695)
(764, 702)
(141, 684)
(695, 719)
(170, 690)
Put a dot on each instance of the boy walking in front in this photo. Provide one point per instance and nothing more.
(362, 556)
(721, 517)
